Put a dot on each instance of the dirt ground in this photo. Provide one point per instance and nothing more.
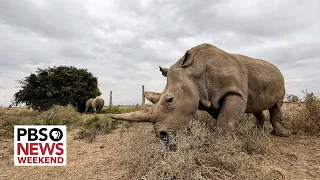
(296, 157)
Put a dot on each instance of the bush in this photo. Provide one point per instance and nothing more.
(59, 116)
(9, 118)
(23, 116)
(200, 153)
(111, 110)
(89, 125)
(92, 126)
(292, 98)
(304, 120)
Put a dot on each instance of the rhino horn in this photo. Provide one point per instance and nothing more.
(137, 116)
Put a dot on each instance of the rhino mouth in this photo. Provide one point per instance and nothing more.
(164, 136)
(168, 141)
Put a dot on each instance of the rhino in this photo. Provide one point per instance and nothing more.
(88, 105)
(95, 104)
(223, 84)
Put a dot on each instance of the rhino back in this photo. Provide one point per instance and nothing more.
(89, 102)
(98, 102)
(265, 84)
(260, 83)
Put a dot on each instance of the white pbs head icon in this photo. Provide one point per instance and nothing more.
(56, 134)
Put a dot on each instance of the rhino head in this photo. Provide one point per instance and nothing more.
(177, 104)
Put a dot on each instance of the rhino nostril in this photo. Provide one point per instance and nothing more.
(164, 136)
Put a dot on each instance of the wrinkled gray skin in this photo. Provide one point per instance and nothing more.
(225, 85)
(95, 104)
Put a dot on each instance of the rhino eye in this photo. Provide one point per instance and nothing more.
(170, 99)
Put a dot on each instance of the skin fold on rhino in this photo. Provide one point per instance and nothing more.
(223, 84)
(95, 104)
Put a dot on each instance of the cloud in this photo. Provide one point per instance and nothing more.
(56, 19)
(123, 42)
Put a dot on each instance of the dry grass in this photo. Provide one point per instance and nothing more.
(92, 125)
(9, 118)
(111, 110)
(131, 151)
(203, 153)
(200, 153)
(24, 116)
(89, 125)
(303, 119)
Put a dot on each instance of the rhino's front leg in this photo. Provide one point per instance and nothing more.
(276, 121)
(87, 108)
(233, 108)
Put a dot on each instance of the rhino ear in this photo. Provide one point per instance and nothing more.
(186, 60)
(152, 96)
(164, 71)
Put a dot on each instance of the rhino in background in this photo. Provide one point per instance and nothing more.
(95, 104)
(223, 84)
(88, 105)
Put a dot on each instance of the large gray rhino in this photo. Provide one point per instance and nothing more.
(223, 84)
(95, 104)
(88, 105)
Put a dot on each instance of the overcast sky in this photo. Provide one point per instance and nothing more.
(123, 42)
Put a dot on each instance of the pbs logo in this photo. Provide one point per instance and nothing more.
(56, 134)
(40, 145)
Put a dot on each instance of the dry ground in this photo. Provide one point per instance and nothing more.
(296, 157)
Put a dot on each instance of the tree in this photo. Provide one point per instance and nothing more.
(292, 98)
(57, 86)
(309, 97)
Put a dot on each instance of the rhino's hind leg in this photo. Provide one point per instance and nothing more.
(233, 108)
(276, 121)
(260, 119)
(99, 110)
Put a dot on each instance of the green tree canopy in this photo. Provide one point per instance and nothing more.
(57, 86)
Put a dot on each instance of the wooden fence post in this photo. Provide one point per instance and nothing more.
(143, 98)
(110, 100)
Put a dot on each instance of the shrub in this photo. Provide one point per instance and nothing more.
(59, 116)
(9, 118)
(304, 120)
(199, 153)
(93, 125)
(89, 125)
(111, 110)
(23, 116)
(292, 98)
